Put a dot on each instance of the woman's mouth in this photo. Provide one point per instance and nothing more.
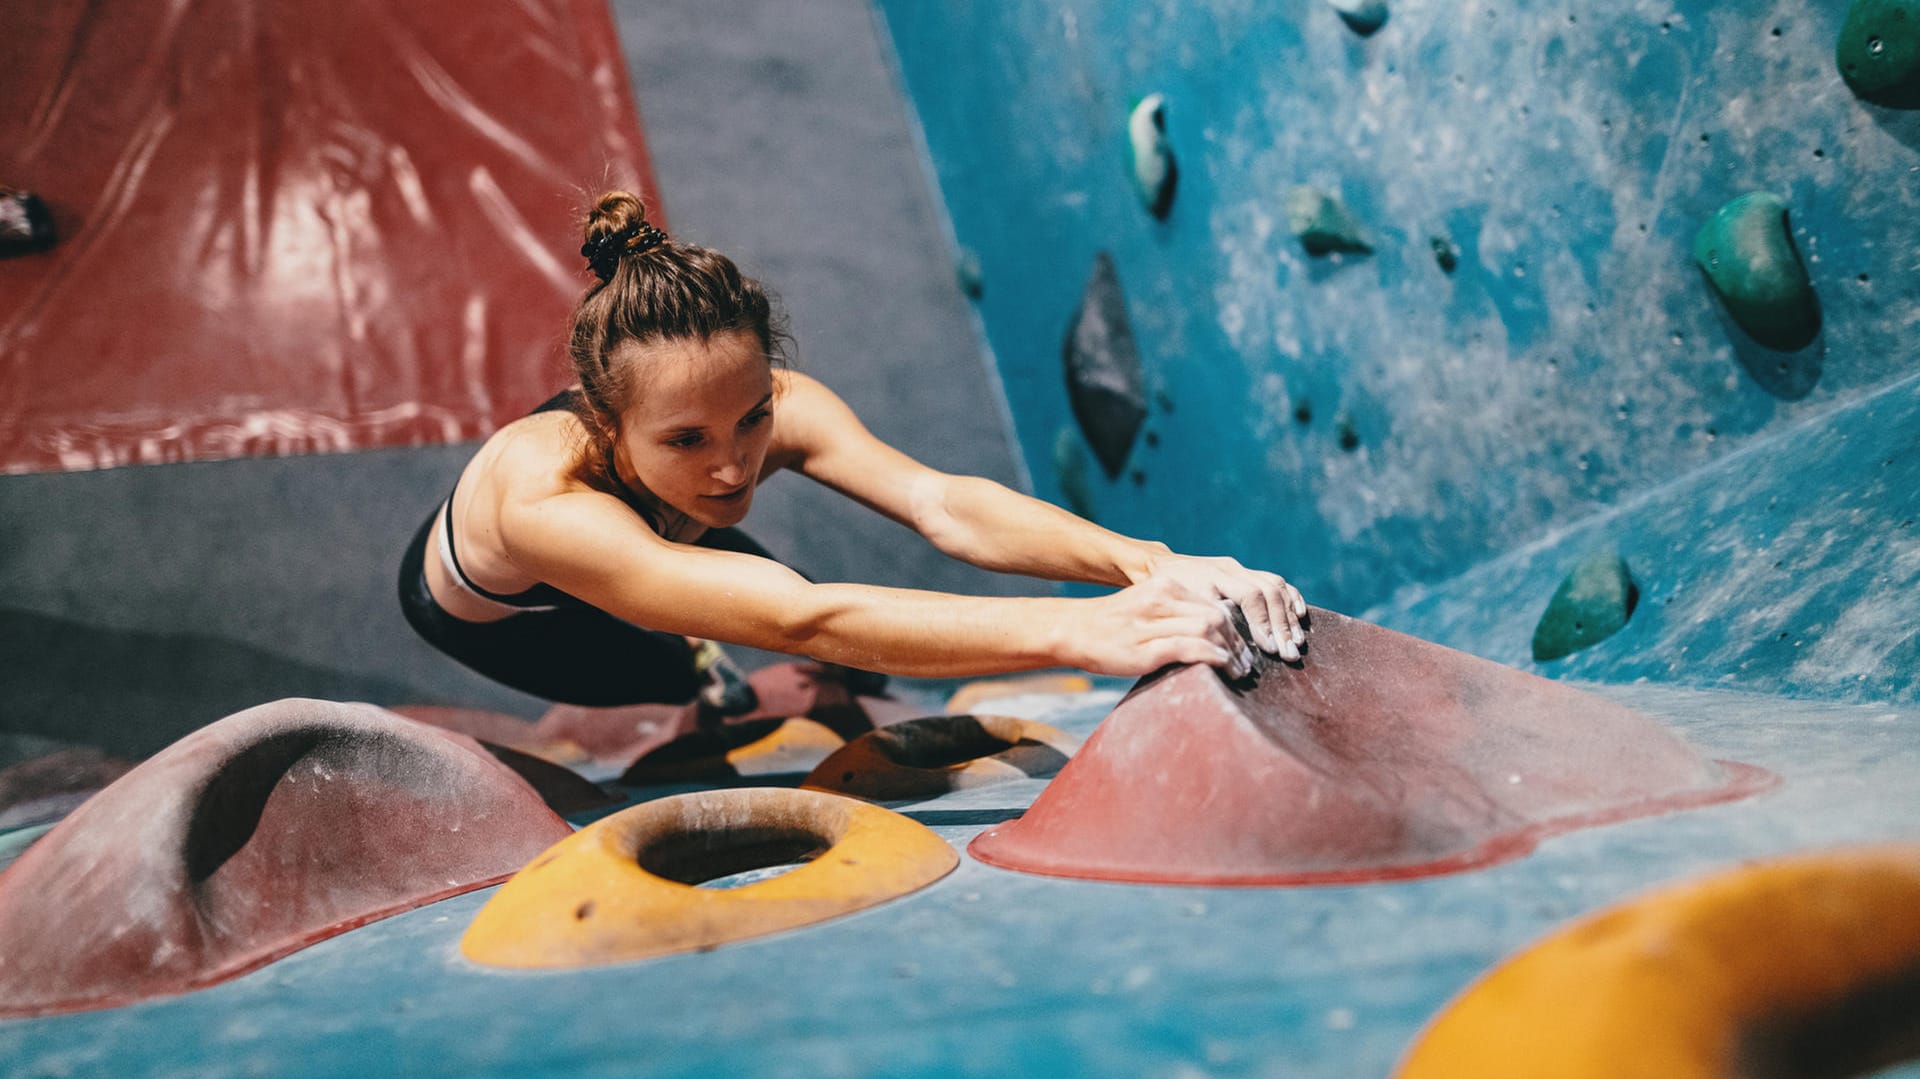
(738, 495)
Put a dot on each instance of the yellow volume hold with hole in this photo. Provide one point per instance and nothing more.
(1737, 974)
(624, 888)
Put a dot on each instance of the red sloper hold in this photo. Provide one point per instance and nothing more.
(1378, 757)
(250, 838)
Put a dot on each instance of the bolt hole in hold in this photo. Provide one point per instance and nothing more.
(730, 857)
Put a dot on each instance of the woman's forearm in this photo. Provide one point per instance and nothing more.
(988, 525)
(928, 634)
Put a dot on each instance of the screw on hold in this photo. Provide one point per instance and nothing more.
(1878, 52)
(1105, 386)
(1747, 253)
(1349, 438)
(967, 275)
(1156, 173)
(1593, 602)
(1322, 223)
(1363, 17)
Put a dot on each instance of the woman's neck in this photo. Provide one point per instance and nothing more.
(672, 524)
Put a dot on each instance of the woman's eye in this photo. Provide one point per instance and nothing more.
(753, 419)
(684, 442)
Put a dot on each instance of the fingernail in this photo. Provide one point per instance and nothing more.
(1290, 652)
(1273, 643)
(1299, 635)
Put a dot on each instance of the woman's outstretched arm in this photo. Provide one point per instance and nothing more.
(984, 523)
(591, 546)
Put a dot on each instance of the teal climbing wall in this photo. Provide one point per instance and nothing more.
(1527, 363)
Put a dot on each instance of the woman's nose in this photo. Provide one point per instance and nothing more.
(731, 469)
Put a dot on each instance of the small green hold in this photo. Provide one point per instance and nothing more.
(966, 273)
(1592, 604)
(1345, 432)
(1879, 52)
(1446, 253)
(1746, 250)
(1070, 466)
(1363, 17)
(1322, 223)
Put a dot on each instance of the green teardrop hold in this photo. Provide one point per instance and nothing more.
(1592, 604)
(1747, 253)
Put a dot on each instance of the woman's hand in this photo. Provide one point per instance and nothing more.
(1273, 609)
(1140, 629)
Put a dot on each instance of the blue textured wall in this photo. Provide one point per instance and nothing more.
(1573, 361)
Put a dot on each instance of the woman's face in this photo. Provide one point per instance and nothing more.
(697, 430)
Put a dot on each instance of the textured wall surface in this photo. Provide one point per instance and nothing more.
(1367, 423)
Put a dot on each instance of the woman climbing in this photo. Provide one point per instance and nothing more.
(613, 507)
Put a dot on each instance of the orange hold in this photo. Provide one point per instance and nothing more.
(1808, 965)
(772, 747)
(923, 758)
(625, 887)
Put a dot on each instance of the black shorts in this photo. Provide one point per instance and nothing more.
(575, 653)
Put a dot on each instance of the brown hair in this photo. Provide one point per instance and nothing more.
(657, 290)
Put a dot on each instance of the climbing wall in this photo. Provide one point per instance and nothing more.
(291, 230)
(1409, 288)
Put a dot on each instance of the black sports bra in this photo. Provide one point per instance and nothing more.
(542, 596)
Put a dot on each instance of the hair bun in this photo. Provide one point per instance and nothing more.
(617, 226)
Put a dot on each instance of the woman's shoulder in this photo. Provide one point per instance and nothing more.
(801, 402)
(535, 457)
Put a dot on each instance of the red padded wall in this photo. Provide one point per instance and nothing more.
(290, 228)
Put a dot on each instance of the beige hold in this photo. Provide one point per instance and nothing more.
(970, 696)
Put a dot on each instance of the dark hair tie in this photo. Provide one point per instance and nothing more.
(603, 252)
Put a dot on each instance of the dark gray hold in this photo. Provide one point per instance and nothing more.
(1446, 253)
(1104, 384)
